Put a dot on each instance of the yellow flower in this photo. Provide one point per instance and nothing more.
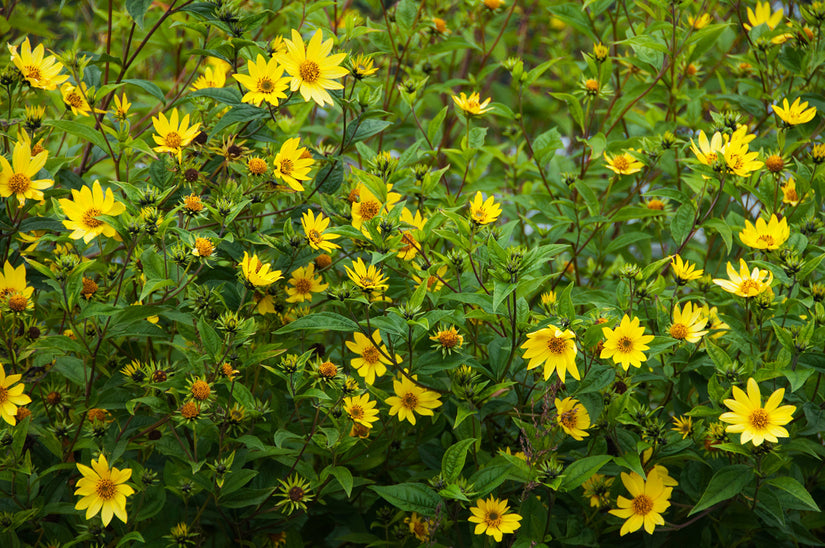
(597, 490)
(256, 166)
(600, 52)
(204, 248)
(103, 490)
(372, 361)
(770, 235)
(688, 323)
(708, 152)
(650, 499)
(493, 5)
(796, 113)
(572, 417)
(737, 156)
(472, 105)
(122, 106)
(483, 212)
(75, 98)
(408, 237)
(11, 396)
(623, 164)
(361, 410)
(303, 284)
(745, 283)
(41, 72)
(314, 228)
(763, 15)
(419, 526)
(789, 193)
(369, 279)
(684, 271)
(699, 22)
(16, 178)
(626, 344)
(257, 273)
(554, 348)
(292, 164)
(717, 326)
(754, 422)
(265, 81)
(172, 136)
(362, 66)
(410, 399)
(683, 425)
(12, 280)
(368, 205)
(211, 78)
(312, 68)
(493, 518)
(448, 340)
(434, 281)
(84, 210)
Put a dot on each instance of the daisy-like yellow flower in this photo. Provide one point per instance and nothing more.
(410, 238)
(410, 399)
(84, 209)
(257, 273)
(362, 66)
(17, 178)
(623, 164)
(368, 278)
(700, 22)
(684, 271)
(789, 194)
(265, 81)
(419, 526)
(763, 14)
(796, 113)
(472, 105)
(572, 417)
(11, 395)
(368, 205)
(717, 326)
(626, 344)
(650, 499)
(39, 71)
(597, 490)
(74, 97)
(173, 134)
(314, 229)
(770, 235)
(312, 68)
(483, 212)
(754, 422)
(683, 425)
(292, 164)
(103, 490)
(448, 340)
(745, 283)
(361, 410)
(739, 159)
(122, 106)
(492, 517)
(372, 361)
(211, 78)
(688, 323)
(12, 280)
(303, 284)
(554, 348)
(708, 152)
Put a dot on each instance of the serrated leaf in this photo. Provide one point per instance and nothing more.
(725, 483)
(454, 458)
(583, 469)
(796, 490)
(410, 497)
(327, 321)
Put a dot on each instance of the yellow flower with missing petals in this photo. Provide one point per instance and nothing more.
(483, 212)
(684, 271)
(368, 205)
(312, 69)
(314, 228)
(745, 283)
(410, 238)
(84, 210)
(372, 360)
(700, 22)
(739, 159)
(650, 499)
(74, 97)
(172, 134)
(17, 178)
(211, 78)
(303, 284)
(103, 490)
(770, 235)
(12, 280)
(472, 105)
(362, 66)
(708, 151)
(419, 526)
(796, 113)
(554, 348)
(361, 410)
(39, 71)
(626, 344)
(257, 273)
(493, 518)
(754, 422)
(122, 106)
(683, 425)
(597, 490)
(763, 14)
(789, 193)
(411, 399)
(572, 417)
(688, 323)
(623, 164)
(292, 164)
(11, 396)
(265, 82)
(368, 278)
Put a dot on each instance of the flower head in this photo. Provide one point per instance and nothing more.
(554, 348)
(482, 211)
(597, 490)
(688, 323)
(39, 71)
(103, 490)
(650, 499)
(754, 422)
(122, 106)
(572, 417)
(683, 425)
(708, 152)
(368, 205)
(795, 114)
(626, 344)
(312, 69)
(361, 410)
(314, 228)
(684, 271)
(623, 164)
(763, 14)
(738, 158)
(362, 66)
(172, 134)
(294, 494)
(265, 81)
(368, 278)
(303, 284)
(292, 164)
(212, 77)
(257, 273)
(448, 340)
(770, 235)
(74, 97)
(11, 396)
(410, 237)
(472, 105)
(411, 399)
(419, 526)
(372, 360)
(19, 177)
(84, 210)
(492, 517)
(745, 283)
(790, 195)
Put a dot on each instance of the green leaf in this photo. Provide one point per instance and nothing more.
(490, 477)
(435, 129)
(137, 10)
(330, 177)
(148, 87)
(322, 321)
(725, 483)
(85, 132)
(796, 490)
(461, 414)
(452, 463)
(582, 470)
(239, 113)
(719, 356)
(130, 538)
(477, 137)
(344, 477)
(210, 338)
(546, 144)
(405, 12)
(574, 105)
(364, 129)
(409, 497)
(682, 222)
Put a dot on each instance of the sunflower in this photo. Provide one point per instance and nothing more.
(369, 279)
(83, 212)
(122, 106)
(103, 490)
(362, 66)
(483, 212)
(12, 280)
(372, 361)
(368, 205)
(796, 113)
(11, 396)
(683, 271)
(472, 105)
(40, 72)
(754, 422)
(303, 284)
(265, 81)
(790, 195)
(257, 273)
(492, 517)
(650, 499)
(361, 410)
(16, 178)
(292, 164)
(572, 417)
(410, 399)
(314, 228)
(770, 235)
(745, 283)
(312, 68)
(623, 164)
(555, 348)
(739, 159)
(626, 344)
(74, 97)
(688, 323)
(172, 135)
(419, 526)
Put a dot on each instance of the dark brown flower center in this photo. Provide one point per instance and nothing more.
(74, 100)
(287, 166)
(303, 285)
(265, 85)
(106, 489)
(556, 345)
(409, 400)
(18, 302)
(568, 418)
(4, 395)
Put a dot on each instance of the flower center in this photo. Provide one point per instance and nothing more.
(493, 520)
(710, 158)
(314, 236)
(656, 204)
(32, 72)
(4, 395)
(448, 339)
(106, 489)
(480, 216)
(328, 370)
(749, 287)
(19, 183)
(642, 505)
(189, 410)
(286, 166)
(173, 140)
(356, 412)
(74, 100)
(791, 195)
(568, 418)
(366, 281)
(678, 331)
(90, 218)
(370, 355)
(204, 247)
(556, 345)
(309, 71)
(296, 494)
(369, 209)
(303, 285)
(431, 281)
(766, 239)
(410, 400)
(759, 419)
(200, 390)
(621, 163)
(625, 345)
(265, 85)
(18, 302)
(257, 166)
